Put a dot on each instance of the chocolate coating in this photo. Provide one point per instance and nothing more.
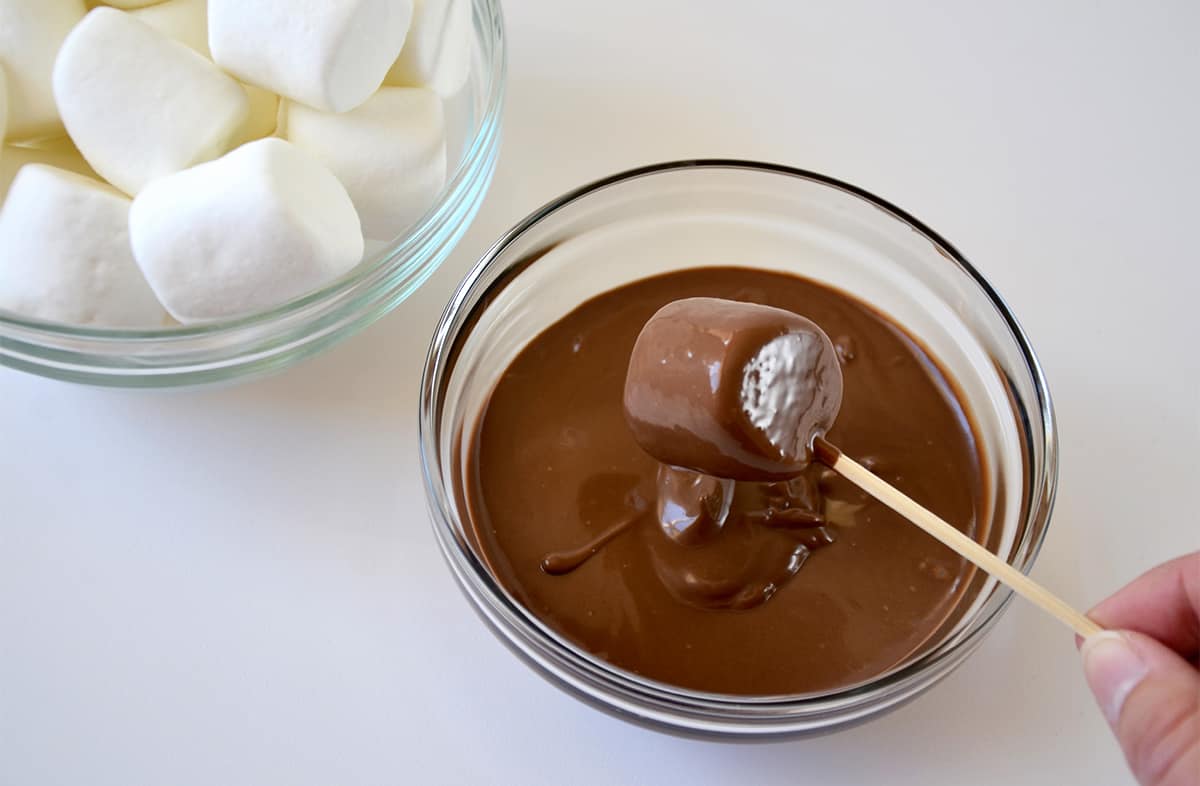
(735, 390)
(806, 584)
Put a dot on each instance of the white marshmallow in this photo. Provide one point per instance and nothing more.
(31, 32)
(329, 54)
(140, 105)
(58, 153)
(184, 20)
(389, 153)
(249, 231)
(65, 254)
(187, 22)
(437, 52)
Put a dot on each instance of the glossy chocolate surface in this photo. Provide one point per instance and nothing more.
(777, 588)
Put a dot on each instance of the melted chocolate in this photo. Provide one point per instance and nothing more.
(742, 549)
(742, 588)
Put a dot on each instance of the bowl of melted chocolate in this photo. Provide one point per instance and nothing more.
(617, 421)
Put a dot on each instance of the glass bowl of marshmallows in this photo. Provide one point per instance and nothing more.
(203, 190)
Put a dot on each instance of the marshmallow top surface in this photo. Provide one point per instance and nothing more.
(389, 153)
(65, 254)
(140, 105)
(245, 233)
(329, 54)
(437, 52)
(31, 32)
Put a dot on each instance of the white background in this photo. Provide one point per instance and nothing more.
(240, 586)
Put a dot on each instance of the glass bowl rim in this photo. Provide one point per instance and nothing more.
(398, 248)
(1041, 487)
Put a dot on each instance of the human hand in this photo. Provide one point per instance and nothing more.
(1145, 671)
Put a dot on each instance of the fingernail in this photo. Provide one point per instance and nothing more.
(1113, 669)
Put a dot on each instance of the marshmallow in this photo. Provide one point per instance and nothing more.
(187, 22)
(65, 254)
(140, 105)
(58, 153)
(249, 231)
(31, 32)
(390, 154)
(184, 20)
(730, 389)
(437, 52)
(331, 55)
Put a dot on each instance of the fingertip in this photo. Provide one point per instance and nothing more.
(1113, 668)
(1151, 697)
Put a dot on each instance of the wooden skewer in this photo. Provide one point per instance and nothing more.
(1024, 586)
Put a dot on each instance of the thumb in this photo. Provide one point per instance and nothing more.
(1151, 697)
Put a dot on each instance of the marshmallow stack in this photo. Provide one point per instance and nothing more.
(186, 21)
(134, 122)
(255, 143)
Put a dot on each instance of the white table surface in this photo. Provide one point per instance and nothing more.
(241, 586)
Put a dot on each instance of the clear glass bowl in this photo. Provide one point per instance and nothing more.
(723, 213)
(275, 339)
